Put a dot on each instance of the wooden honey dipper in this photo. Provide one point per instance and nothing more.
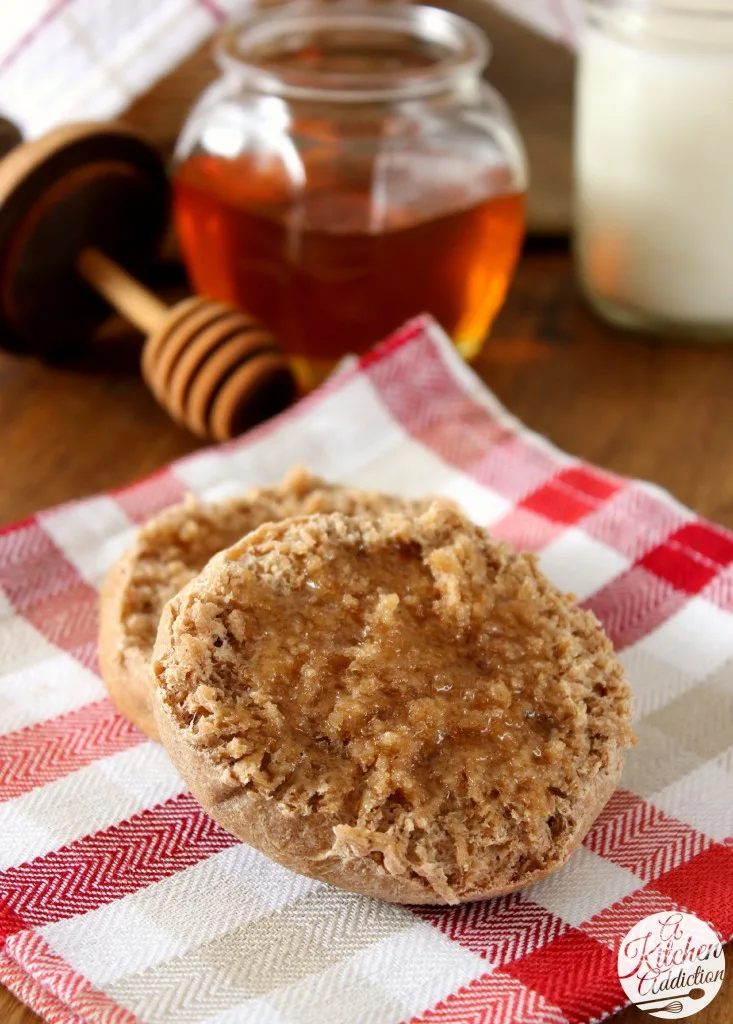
(81, 210)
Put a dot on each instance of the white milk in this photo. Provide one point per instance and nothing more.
(654, 172)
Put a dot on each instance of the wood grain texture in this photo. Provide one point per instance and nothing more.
(13, 1012)
(660, 412)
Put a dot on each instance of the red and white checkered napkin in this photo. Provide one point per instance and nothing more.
(121, 901)
(72, 60)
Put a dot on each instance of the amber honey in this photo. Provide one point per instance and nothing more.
(327, 273)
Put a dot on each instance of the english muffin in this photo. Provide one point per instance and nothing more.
(399, 705)
(172, 548)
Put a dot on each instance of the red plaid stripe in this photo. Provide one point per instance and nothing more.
(634, 604)
(33, 994)
(552, 971)
(10, 923)
(434, 409)
(611, 924)
(720, 590)
(33, 957)
(685, 558)
(49, 750)
(691, 557)
(526, 530)
(44, 587)
(633, 520)
(703, 886)
(706, 540)
(145, 498)
(571, 495)
(637, 836)
(500, 930)
(107, 865)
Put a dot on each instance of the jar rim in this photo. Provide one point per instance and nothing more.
(466, 50)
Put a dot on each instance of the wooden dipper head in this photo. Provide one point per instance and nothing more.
(215, 369)
(80, 186)
(80, 207)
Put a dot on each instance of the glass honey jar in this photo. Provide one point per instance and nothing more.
(349, 169)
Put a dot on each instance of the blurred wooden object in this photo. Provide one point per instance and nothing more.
(9, 136)
(534, 75)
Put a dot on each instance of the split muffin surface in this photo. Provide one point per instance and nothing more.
(172, 547)
(397, 704)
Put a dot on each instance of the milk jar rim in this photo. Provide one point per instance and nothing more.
(678, 25)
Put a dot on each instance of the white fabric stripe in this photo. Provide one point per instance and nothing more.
(438, 966)
(6, 608)
(166, 35)
(578, 563)
(585, 886)
(19, 19)
(91, 535)
(394, 463)
(46, 689)
(697, 639)
(304, 940)
(654, 761)
(174, 915)
(654, 683)
(86, 801)
(405, 469)
(703, 798)
(21, 645)
(256, 1011)
(475, 387)
(336, 444)
(360, 1000)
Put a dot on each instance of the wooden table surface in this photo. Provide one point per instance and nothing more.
(659, 412)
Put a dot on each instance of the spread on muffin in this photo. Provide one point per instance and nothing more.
(438, 719)
(172, 547)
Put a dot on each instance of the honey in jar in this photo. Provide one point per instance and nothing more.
(356, 173)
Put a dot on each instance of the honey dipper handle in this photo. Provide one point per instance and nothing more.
(122, 291)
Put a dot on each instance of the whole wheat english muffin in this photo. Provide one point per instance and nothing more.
(171, 548)
(398, 705)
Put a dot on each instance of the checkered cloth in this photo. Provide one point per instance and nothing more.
(121, 901)
(66, 60)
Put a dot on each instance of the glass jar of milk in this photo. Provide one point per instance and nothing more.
(654, 164)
